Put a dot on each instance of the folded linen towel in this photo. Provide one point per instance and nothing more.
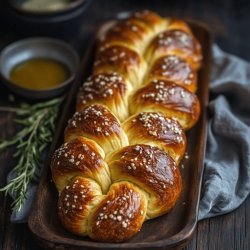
(226, 178)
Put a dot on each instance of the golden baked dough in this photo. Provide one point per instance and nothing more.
(169, 99)
(119, 164)
(155, 129)
(108, 89)
(151, 169)
(175, 42)
(175, 69)
(120, 59)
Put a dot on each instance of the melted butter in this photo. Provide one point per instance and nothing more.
(39, 74)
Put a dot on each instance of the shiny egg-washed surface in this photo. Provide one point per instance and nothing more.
(119, 164)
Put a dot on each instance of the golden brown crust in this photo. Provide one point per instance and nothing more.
(99, 124)
(173, 68)
(134, 32)
(120, 215)
(130, 33)
(153, 171)
(75, 203)
(157, 130)
(117, 58)
(109, 89)
(178, 24)
(79, 157)
(176, 42)
(168, 98)
(151, 19)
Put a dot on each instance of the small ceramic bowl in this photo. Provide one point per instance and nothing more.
(72, 9)
(41, 47)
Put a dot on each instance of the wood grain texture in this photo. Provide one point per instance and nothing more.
(202, 235)
(225, 237)
(240, 233)
(230, 21)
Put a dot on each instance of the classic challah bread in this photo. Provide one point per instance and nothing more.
(119, 164)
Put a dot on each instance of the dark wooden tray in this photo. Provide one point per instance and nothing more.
(173, 230)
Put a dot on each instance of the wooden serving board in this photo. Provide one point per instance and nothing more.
(172, 230)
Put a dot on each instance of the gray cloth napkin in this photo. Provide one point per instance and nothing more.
(226, 181)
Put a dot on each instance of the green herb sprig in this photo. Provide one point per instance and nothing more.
(38, 126)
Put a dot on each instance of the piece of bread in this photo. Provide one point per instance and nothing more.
(167, 98)
(97, 123)
(127, 62)
(119, 164)
(153, 171)
(108, 89)
(155, 129)
(175, 69)
(175, 42)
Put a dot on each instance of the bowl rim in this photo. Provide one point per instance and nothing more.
(69, 7)
(44, 17)
(26, 41)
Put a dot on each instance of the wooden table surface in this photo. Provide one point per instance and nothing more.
(229, 21)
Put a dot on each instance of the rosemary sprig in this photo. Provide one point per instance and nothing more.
(38, 125)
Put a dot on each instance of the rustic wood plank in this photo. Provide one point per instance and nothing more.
(8, 130)
(247, 223)
(240, 228)
(13, 236)
(27, 241)
(222, 232)
(192, 244)
(203, 235)
(2, 219)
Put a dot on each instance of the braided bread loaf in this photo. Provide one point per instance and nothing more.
(119, 164)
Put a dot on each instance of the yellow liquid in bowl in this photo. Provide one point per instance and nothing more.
(39, 74)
